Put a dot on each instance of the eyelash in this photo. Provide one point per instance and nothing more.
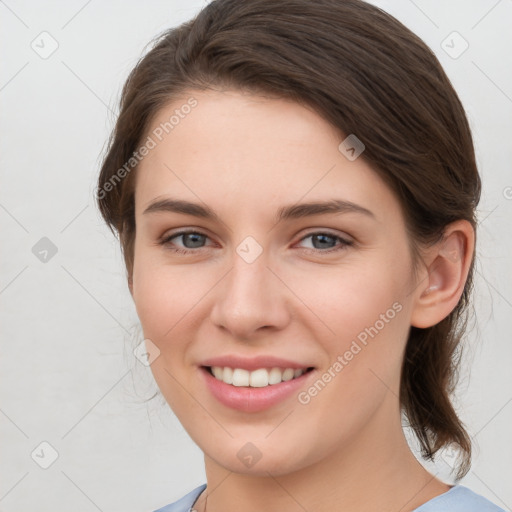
(166, 241)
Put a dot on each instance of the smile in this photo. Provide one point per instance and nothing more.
(259, 395)
(259, 378)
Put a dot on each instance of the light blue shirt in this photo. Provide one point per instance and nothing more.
(457, 499)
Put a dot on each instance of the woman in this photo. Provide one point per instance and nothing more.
(294, 186)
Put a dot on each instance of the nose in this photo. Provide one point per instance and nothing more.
(250, 299)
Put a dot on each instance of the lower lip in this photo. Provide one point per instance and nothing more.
(249, 399)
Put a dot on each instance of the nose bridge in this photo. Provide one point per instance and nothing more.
(249, 297)
(248, 283)
(249, 274)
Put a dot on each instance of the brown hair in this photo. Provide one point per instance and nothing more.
(365, 73)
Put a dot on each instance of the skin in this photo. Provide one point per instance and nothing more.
(245, 156)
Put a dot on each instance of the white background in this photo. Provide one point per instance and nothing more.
(68, 326)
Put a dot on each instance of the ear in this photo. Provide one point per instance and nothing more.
(447, 266)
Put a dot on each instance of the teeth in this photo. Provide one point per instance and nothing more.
(257, 378)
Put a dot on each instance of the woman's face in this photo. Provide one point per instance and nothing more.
(252, 284)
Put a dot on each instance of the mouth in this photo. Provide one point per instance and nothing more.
(255, 391)
(259, 378)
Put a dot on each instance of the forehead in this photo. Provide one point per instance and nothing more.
(250, 151)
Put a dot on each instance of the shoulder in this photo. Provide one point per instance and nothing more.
(184, 504)
(459, 499)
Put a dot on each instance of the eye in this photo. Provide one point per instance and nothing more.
(191, 239)
(322, 242)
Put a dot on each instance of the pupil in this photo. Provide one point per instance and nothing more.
(197, 239)
(193, 235)
(322, 237)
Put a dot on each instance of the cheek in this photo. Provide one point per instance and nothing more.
(367, 320)
(360, 315)
(163, 294)
(155, 300)
(166, 299)
(348, 299)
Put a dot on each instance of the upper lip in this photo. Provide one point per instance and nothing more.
(253, 363)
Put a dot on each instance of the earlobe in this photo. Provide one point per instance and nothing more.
(441, 287)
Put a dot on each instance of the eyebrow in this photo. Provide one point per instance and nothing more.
(294, 211)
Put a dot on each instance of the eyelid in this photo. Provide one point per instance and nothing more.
(167, 237)
(327, 231)
(345, 240)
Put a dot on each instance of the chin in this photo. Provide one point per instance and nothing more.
(257, 460)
